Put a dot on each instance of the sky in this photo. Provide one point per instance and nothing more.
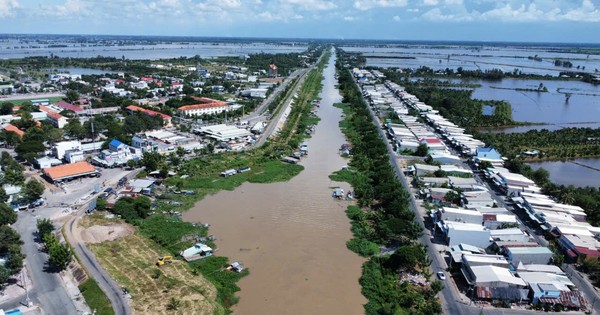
(478, 20)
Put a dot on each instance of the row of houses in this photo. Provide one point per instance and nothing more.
(497, 259)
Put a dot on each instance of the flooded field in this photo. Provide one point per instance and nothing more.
(292, 236)
(579, 173)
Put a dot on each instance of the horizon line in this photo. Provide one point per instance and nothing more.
(316, 39)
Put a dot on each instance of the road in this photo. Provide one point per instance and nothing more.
(260, 110)
(88, 260)
(48, 290)
(451, 299)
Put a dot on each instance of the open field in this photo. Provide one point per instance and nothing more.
(21, 101)
(130, 261)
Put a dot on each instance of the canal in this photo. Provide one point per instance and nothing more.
(292, 235)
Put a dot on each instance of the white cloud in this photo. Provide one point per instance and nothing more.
(436, 15)
(396, 18)
(413, 10)
(7, 6)
(71, 8)
(349, 18)
(311, 5)
(430, 2)
(370, 4)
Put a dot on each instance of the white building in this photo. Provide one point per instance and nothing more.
(467, 233)
(60, 148)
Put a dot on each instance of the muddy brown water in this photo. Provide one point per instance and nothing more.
(292, 235)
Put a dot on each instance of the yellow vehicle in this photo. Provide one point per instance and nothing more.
(162, 260)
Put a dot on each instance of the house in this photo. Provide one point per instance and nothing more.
(142, 185)
(73, 156)
(444, 157)
(46, 162)
(68, 106)
(424, 169)
(196, 252)
(467, 233)
(495, 221)
(12, 191)
(489, 154)
(510, 235)
(449, 214)
(492, 276)
(457, 252)
(13, 128)
(438, 195)
(529, 255)
(133, 109)
(475, 260)
(58, 120)
(273, 70)
(580, 247)
(433, 143)
(60, 148)
(69, 171)
(205, 106)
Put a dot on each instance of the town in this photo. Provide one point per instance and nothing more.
(494, 238)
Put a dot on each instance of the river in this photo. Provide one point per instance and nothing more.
(292, 235)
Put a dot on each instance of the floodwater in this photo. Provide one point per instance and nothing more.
(292, 235)
(506, 58)
(579, 173)
(551, 108)
(140, 50)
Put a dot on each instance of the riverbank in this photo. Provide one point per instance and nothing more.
(292, 234)
(382, 218)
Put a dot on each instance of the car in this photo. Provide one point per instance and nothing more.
(109, 190)
(441, 275)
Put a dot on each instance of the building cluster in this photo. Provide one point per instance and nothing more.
(470, 209)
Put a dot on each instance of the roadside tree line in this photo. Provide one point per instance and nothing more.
(382, 217)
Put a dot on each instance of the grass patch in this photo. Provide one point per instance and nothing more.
(342, 176)
(95, 298)
(21, 101)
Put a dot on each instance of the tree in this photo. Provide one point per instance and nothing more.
(152, 160)
(45, 227)
(8, 239)
(422, 150)
(71, 96)
(74, 128)
(7, 214)
(4, 276)
(60, 255)
(9, 137)
(3, 195)
(6, 108)
(33, 190)
(453, 197)
(483, 165)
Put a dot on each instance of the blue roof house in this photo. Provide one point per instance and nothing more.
(115, 146)
(488, 153)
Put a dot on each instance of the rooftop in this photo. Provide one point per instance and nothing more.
(69, 170)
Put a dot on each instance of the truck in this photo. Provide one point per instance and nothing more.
(258, 128)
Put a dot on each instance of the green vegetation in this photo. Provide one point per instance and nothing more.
(212, 268)
(382, 216)
(95, 298)
(566, 143)
(21, 101)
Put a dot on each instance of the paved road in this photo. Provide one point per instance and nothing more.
(48, 290)
(450, 298)
(260, 110)
(88, 260)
